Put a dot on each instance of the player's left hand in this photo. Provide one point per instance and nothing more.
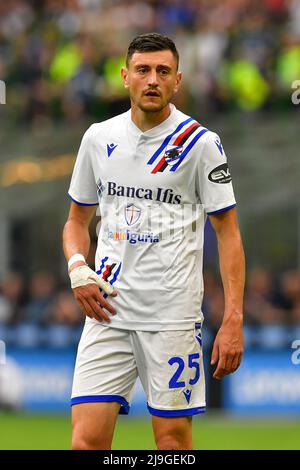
(228, 348)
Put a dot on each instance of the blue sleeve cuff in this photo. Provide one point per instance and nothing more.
(82, 203)
(221, 210)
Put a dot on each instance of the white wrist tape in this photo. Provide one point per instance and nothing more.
(83, 275)
(75, 258)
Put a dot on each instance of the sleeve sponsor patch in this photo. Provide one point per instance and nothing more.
(220, 174)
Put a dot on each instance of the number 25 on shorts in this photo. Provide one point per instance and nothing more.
(193, 363)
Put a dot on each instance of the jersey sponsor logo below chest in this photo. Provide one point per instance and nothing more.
(166, 195)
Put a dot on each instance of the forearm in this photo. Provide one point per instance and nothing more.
(86, 284)
(232, 268)
(76, 238)
(228, 345)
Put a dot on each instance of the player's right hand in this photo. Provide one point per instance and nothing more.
(85, 284)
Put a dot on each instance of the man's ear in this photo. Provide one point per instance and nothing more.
(178, 81)
(124, 75)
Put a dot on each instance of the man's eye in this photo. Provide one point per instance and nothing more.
(164, 72)
(142, 71)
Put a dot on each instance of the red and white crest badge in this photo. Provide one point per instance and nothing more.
(132, 214)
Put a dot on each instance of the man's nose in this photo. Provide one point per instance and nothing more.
(152, 78)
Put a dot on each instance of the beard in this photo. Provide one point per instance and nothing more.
(151, 106)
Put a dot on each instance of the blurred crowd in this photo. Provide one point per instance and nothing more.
(269, 300)
(60, 59)
(42, 306)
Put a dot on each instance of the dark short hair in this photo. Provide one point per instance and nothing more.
(151, 42)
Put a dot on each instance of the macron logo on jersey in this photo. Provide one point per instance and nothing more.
(219, 145)
(110, 148)
(187, 393)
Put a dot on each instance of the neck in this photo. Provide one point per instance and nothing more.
(147, 120)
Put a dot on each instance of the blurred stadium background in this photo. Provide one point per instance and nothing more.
(60, 61)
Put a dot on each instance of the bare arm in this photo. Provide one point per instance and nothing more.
(76, 239)
(228, 346)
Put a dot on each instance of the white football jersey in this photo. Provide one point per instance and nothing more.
(154, 190)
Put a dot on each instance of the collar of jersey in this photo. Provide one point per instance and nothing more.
(155, 131)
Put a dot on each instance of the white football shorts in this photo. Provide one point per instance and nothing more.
(169, 364)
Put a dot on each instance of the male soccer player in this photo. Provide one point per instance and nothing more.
(155, 173)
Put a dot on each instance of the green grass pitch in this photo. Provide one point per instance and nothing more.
(20, 431)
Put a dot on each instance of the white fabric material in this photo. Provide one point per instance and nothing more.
(150, 244)
(109, 360)
(83, 275)
(75, 258)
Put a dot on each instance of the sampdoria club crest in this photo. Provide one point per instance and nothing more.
(172, 154)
